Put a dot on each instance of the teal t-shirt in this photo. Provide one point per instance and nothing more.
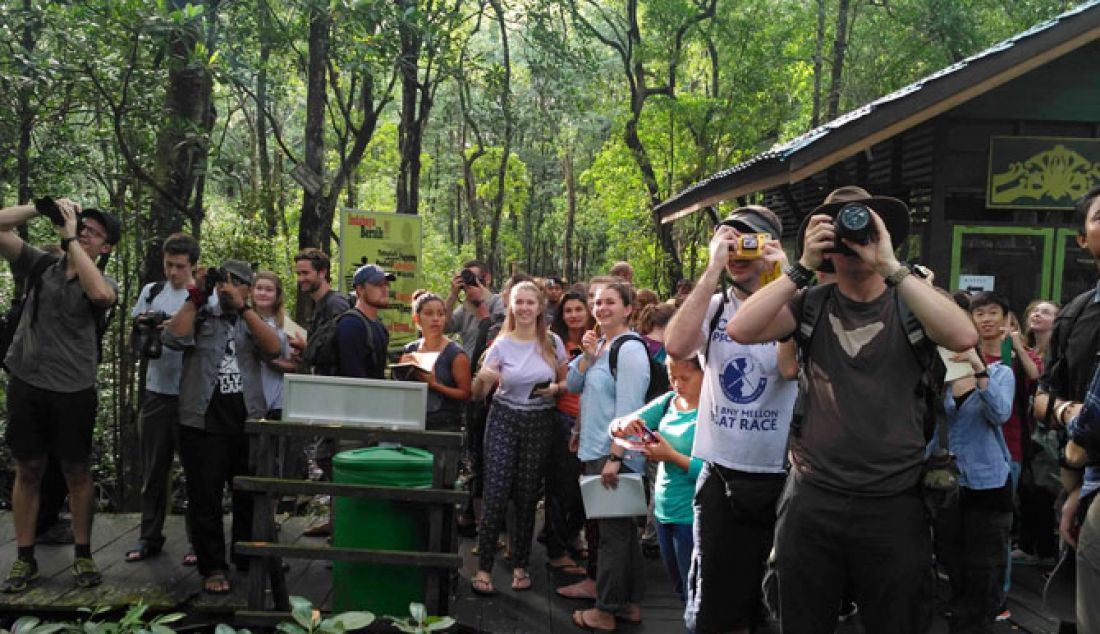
(674, 489)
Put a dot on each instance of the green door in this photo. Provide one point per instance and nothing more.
(1015, 262)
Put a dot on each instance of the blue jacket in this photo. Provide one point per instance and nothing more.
(975, 435)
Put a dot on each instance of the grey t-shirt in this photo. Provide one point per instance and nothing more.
(55, 348)
(162, 375)
(465, 322)
(863, 432)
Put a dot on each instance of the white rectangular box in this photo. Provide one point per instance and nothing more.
(327, 400)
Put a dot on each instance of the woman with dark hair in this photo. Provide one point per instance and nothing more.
(564, 512)
(448, 378)
(526, 363)
(608, 393)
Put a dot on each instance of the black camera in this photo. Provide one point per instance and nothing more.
(853, 222)
(213, 277)
(145, 336)
(468, 277)
(47, 207)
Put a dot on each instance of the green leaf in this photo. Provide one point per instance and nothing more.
(302, 611)
(222, 628)
(419, 612)
(291, 628)
(25, 624)
(442, 623)
(354, 620)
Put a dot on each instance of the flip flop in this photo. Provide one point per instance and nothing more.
(570, 592)
(521, 582)
(580, 621)
(568, 568)
(484, 587)
(216, 583)
(140, 552)
(190, 559)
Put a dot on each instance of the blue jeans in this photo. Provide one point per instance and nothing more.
(676, 543)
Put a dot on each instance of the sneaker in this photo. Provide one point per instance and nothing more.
(1004, 615)
(86, 572)
(1021, 558)
(20, 576)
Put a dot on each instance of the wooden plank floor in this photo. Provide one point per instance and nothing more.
(162, 582)
(541, 611)
(165, 584)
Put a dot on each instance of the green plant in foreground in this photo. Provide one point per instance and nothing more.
(420, 623)
(133, 622)
(306, 621)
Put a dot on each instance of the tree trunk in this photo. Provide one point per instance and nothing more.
(409, 131)
(570, 213)
(840, 45)
(506, 110)
(819, 61)
(312, 230)
(180, 153)
(26, 110)
(267, 185)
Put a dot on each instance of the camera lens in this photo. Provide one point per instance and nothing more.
(749, 242)
(853, 222)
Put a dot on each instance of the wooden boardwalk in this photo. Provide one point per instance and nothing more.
(162, 582)
(166, 585)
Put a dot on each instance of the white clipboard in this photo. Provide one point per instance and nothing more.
(626, 500)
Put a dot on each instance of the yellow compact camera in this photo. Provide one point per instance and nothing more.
(750, 246)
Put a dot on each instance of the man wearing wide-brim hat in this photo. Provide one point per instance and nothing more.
(745, 409)
(851, 509)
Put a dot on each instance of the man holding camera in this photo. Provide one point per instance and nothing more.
(52, 367)
(851, 509)
(741, 433)
(156, 303)
(223, 346)
(479, 308)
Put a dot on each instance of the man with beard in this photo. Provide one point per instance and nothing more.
(220, 387)
(312, 268)
(361, 336)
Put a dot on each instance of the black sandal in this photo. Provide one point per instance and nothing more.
(141, 552)
(216, 583)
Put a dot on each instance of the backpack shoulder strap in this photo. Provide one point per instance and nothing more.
(813, 306)
(914, 331)
(613, 359)
(34, 276)
(154, 290)
(717, 317)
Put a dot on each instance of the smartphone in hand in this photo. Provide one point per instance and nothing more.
(537, 387)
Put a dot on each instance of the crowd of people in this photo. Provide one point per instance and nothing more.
(837, 419)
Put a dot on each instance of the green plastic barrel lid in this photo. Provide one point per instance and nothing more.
(407, 467)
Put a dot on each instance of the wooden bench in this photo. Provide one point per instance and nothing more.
(266, 573)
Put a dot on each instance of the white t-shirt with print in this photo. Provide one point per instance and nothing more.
(745, 406)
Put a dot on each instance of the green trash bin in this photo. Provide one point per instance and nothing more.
(379, 525)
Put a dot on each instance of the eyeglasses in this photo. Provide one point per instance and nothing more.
(96, 233)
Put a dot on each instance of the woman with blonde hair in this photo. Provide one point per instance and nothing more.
(527, 364)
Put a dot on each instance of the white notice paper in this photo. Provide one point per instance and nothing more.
(626, 500)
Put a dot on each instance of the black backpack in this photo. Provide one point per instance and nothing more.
(323, 347)
(658, 376)
(931, 386)
(9, 321)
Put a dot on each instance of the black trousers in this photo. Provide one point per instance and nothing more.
(159, 430)
(564, 508)
(210, 461)
(883, 544)
(970, 540)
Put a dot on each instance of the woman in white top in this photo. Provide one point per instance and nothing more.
(527, 364)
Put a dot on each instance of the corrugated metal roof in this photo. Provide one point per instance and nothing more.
(782, 152)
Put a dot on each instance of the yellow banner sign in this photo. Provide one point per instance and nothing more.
(393, 242)
(1041, 172)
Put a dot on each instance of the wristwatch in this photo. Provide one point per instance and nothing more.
(984, 374)
(898, 275)
(613, 458)
(65, 242)
(800, 275)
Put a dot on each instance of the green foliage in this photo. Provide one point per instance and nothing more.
(307, 621)
(420, 623)
(133, 621)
